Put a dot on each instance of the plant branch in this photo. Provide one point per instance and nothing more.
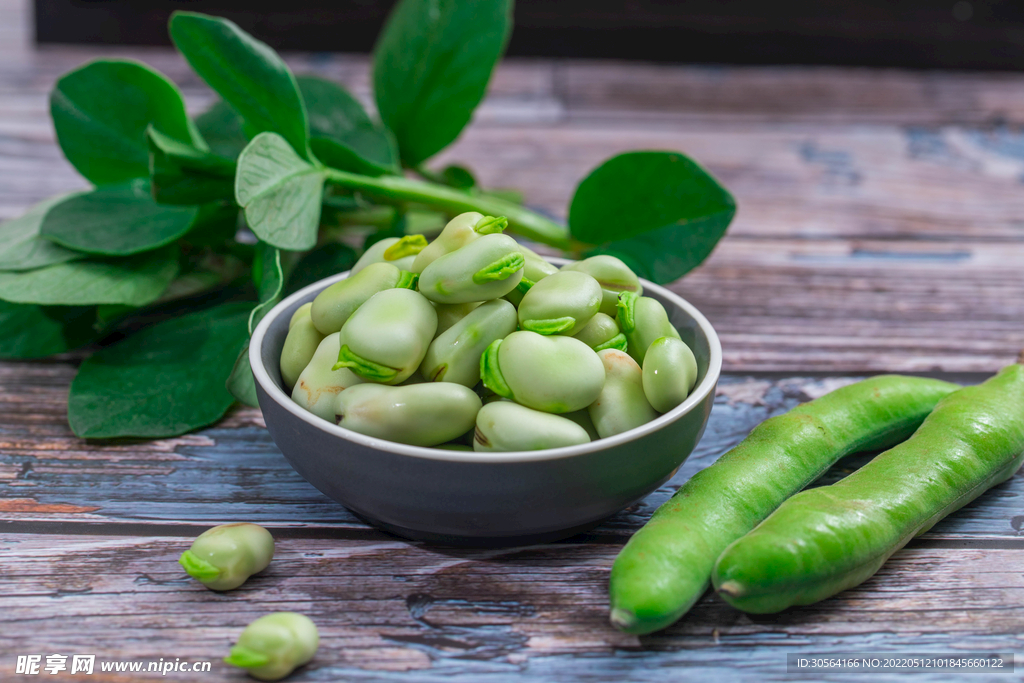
(395, 189)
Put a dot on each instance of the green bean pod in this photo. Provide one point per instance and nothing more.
(621, 405)
(642, 319)
(612, 274)
(669, 373)
(386, 338)
(299, 346)
(454, 355)
(223, 557)
(827, 539)
(274, 645)
(506, 426)
(398, 251)
(554, 374)
(460, 231)
(426, 414)
(666, 566)
(333, 306)
(449, 314)
(318, 384)
(487, 268)
(602, 332)
(562, 303)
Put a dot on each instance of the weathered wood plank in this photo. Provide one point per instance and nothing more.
(388, 610)
(234, 472)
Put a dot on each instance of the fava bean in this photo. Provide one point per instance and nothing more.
(667, 565)
(333, 306)
(454, 355)
(827, 539)
(225, 556)
(386, 338)
(274, 645)
(555, 374)
(508, 426)
(536, 267)
(582, 418)
(299, 346)
(642, 319)
(562, 303)
(449, 314)
(602, 332)
(302, 311)
(669, 373)
(612, 274)
(398, 251)
(460, 231)
(426, 414)
(486, 268)
(621, 405)
(318, 384)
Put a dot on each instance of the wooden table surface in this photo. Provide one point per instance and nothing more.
(880, 228)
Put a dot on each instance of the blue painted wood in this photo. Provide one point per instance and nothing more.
(235, 473)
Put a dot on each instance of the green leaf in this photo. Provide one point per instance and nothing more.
(39, 331)
(221, 127)
(136, 281)
(431, 66)
(280, 193)
(21, 247)
(241, 384)
(342, 134)
(215, 225)
(184, 174)
(659, 212)
(116, 220)
(101, 112)
(268, 277)
(246, 72)
(458, 177)
(165, 380)
(326, 260)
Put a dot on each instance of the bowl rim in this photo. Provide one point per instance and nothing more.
(696, 397)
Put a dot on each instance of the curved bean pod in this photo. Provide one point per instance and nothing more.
(225, 556)
(666, 566)
(426, 414)
(827, 539)
(274, 645)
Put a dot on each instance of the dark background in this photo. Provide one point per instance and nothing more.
(983, 34)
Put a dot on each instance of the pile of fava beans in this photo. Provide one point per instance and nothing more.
(475, 339)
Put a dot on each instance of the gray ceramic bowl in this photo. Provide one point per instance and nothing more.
(484, 498)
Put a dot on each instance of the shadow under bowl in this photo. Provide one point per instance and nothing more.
(464, 498)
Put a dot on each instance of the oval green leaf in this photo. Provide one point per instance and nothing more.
(165, 380)
(21, 247)
(342, 134)
(135, 281)
(431, 67)
(116, 220)
(183, 174)
(658, 211)
(40, 331)
(246, 72)
(280, 192)
(101, 111)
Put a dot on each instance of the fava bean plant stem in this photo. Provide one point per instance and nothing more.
(196, 226)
